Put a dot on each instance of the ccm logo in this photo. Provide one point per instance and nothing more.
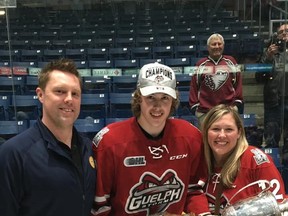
(178, 157)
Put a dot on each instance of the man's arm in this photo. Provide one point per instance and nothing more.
(10, 181)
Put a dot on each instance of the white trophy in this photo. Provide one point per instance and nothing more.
(263, 204)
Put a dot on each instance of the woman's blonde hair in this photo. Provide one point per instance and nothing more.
(136, 100)
(231, 166)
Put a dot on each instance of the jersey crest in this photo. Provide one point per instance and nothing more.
(259, 156)
(217, 80)
(154, 194)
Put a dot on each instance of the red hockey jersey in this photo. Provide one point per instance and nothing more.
(255, 166)
(215, 83)
(140, 176)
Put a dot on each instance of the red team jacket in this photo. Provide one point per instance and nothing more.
(215, 83)
(255, 166)
(140, 176)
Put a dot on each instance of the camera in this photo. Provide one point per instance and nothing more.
(281, 44)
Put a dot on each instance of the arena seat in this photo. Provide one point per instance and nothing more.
(120, 105)
(94, 106)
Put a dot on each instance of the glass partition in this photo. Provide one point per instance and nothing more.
(113, 38)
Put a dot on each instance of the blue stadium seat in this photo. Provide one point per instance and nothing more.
(128, 32)
(61, 44)
(6, 55)
(141, 52)
(147, 61)
(124, 84)
(30, 85)
(89, 126)
(68, 35)
(98, 85)
(49, 55)
(91, 34)
(144, 32)
(24, 107)
(9, 129)
(5, 101)
(82, 43)
(40, 44)
(162, 52)
(120, 105)
(81, 64)
(25, 64)
(94, 106)
(126, 63)
(119, 53)
(4, 64)
(254, 134)
(3, 33)
(97, 54)
(30, 55)
(124, 42)
(182, 31)
(241, 28)
(4, 45)
(249, 120)
(148, 41)
(9, 85)
(103, 42)
(19, 44)
(31, 35)
(76, 54)
(202, 51)
(185, 51)
(42, 64)
(100, 64)
(190, 118)
(202, 39)
(177, 62)
(161, 30)
(232, 45)
(70, 28)
(166, 41)
(183, 82)
(194, 60)
(104, 33)
(184, 107)
(48, 35)
(252, 44)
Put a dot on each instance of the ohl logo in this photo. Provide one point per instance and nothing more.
(153, 194)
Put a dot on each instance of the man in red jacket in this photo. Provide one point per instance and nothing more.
(217, 80)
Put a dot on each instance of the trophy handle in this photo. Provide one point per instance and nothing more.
(251, 184)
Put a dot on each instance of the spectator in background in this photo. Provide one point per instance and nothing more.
(232, 163)
(218, 80)
(150, 164)
(275, 94)
(275, 90)
(49, 169)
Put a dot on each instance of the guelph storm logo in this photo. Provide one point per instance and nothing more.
(154, 194)
(217, 80)
(159, 79)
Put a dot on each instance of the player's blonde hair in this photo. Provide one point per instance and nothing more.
(231, 166)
